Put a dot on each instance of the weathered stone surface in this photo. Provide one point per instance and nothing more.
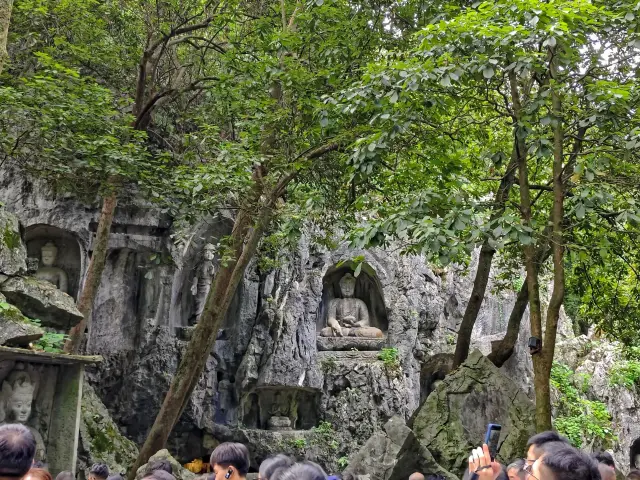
(100, 438)
(41, 300)
(350, 343)
(597, 359)
(454, 417)
(15, 329)
(392, 452)
(179, 471)
(13, 254)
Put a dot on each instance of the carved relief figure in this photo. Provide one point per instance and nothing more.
(48, 272)
(16, 399)
(349, 316)
(202, 281)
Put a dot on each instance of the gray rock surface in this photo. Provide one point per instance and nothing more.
(15, 328)
(179, 471)
(454, 417)
(100, 438)
(41, 300)
(597, 359)
(13, 254)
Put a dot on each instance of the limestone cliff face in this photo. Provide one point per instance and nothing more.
(267, 361)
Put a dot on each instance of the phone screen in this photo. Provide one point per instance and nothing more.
(492, 438)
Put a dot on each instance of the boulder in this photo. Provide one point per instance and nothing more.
(454, 417)
(13, 254)
(100, 439)
(42, 300)
(15, 329)
(381, 459)
(179, 471)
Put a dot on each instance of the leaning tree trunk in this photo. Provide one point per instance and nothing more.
(483, 271)
(94, 273)
(244, 238)
(5, 17)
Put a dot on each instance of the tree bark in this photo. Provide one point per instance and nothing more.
(247, 232)
(545, 361)
(502, 351)
(483, 271)
(94, 273)
(5, 17)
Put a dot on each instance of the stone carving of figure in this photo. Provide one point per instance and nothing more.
(48, 272)
(202, 281)
(16, 399)
(349, 316)
(279, 413)
(636, 460)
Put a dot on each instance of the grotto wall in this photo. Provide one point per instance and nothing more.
(270, 380)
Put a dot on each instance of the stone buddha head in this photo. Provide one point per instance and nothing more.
(17, 397)
(348, 285)
(49, 253)
(209, 251)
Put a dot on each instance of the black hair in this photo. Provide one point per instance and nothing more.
(160, 465)
(304, 471)
(232, 454)
(546, 437)
(633, 475)
(17, 449)
(605, 458)
(567, 463)
(271, 464)
(65, 475)
(115, 476)
(277, 473)
(99, 470)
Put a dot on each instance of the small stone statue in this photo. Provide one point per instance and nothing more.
(202, 281)
(16, 398)
(279, 413)
(349, 316)
(636, 460)
(48, 272)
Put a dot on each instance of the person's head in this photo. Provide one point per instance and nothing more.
(565, 463)
(271, 464)
(633, 475)
(416, 476)
(160, 465)
(304, 471)
(37, 474)
(536, 443)
(98, 471)
(515, 470)
(159, 475)
(65, 475)
(17, 449)
(605, 458)
(230, 461)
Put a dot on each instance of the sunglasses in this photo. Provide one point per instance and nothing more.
(528, 467)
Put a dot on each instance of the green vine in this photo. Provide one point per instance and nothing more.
(581, 420)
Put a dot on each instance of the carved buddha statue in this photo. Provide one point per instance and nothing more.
(16, 398)
(202, 282)
(48, 272)
(349, 316)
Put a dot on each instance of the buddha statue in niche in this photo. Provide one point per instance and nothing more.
(48, 272)
(16, 399)
(349, 316)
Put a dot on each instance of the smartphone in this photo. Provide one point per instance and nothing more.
(491, 438)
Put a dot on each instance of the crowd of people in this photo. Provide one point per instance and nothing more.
(548, 456)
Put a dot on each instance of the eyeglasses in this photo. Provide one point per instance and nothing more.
(527, 469)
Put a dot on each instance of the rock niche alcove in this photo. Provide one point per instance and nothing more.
(352, 313)
(281, 409)
(60, 246)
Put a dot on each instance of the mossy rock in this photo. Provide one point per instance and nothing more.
(16, 330)
(13, 253)
(454, 417)
(179, 471)
(101, 441)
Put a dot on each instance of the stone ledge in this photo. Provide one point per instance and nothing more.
(361, 344)
(343, 356)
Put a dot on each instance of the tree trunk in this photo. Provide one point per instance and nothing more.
(502, 351)
(543, 398)
(484, 270)
(5, 17)
(94, 273)
(204, 336)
